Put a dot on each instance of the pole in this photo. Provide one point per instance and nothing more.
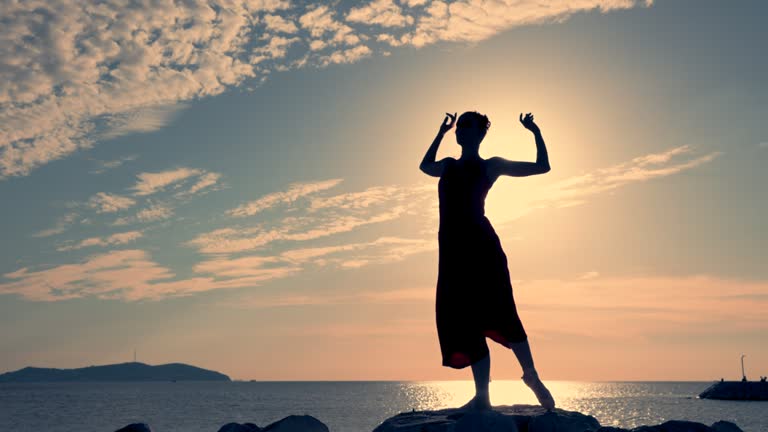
(743, 375)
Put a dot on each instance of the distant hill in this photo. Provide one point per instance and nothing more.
(132, 371)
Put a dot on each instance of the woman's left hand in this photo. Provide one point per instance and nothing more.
(528, 122)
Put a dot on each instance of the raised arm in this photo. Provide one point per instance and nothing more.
(428, 164)
(498, 166)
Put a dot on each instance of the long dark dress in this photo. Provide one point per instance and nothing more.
(474, 291)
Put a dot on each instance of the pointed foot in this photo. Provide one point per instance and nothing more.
(540, 390)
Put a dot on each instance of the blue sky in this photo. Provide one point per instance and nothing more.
(216, 185)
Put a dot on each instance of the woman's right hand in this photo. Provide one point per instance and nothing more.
(448, 122)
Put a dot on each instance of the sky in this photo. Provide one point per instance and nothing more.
(234, 184)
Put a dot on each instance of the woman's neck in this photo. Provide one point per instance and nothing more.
(469, 155)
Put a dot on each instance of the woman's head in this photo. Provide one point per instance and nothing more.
(471, 128)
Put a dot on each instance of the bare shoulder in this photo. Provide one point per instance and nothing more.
(435, 169)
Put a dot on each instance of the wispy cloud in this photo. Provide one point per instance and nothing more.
(104, 202)
(61, 225)
(114, 69)
(154, 212)
(396, 296)
(322, 217)
(579, 189)
(114, 239)
(104, 166)
(128, 274)
(152, 182)
(146, 119)
(294, 192)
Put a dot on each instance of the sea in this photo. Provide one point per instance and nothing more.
(354, 406)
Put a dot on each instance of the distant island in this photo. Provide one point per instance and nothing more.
(131, 371)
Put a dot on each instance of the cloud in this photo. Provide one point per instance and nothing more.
(154, 212)
(114, 239)
(381, 12)
(61, 225)
(151, 183)
(315, 215)
(109, 203)
(396, 296)
(75, 72)
(321, 20)
(280, 24)
(128, 275)
(476, 20)
(322, 217)
(294, 192)
(578, 189)
(140, 120)
(71, 68)
(353, 255)
(763, 144)
(207, 181)
(348, 55)
(104, 166)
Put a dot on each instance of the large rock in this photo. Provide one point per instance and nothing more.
(525, 418)
(238, 427)
(675, 426)
(135, 427)
(563, 421)
(485, 421)
(515, 418)
(297, 423)
(725, 426)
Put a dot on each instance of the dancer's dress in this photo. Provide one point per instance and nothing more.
(474, 291)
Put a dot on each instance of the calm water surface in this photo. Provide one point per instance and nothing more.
(343, 406)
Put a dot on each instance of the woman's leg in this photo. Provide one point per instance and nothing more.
(481, 372)
(530, 377)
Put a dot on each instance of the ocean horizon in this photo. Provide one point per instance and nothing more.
(345, 406)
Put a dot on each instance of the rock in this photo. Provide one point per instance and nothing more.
(297, 423)
(531, 418)
(485, 421)
(237, 427)
(135, 427)
(563, 421)
(675, 426)
(725, 426)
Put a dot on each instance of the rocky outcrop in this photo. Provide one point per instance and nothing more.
(737, 390)
(238, 427)
(135, 427)
(525, 418)
(292, 423)
(515, 418)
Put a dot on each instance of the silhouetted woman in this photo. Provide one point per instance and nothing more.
(474, 291)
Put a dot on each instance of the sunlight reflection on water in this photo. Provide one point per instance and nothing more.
(626, 405)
